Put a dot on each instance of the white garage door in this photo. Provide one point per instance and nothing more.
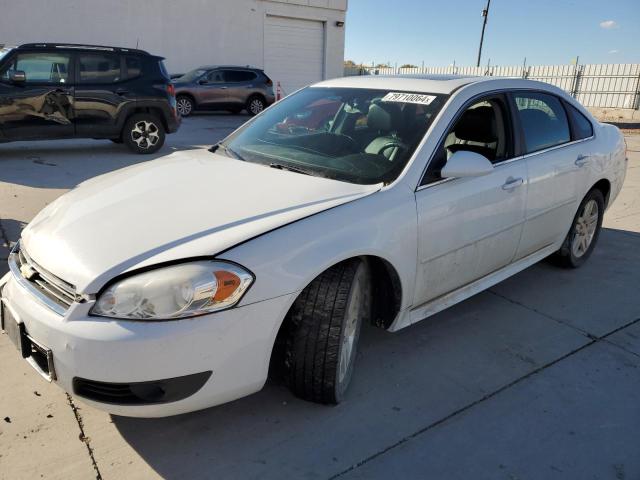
(293, 52)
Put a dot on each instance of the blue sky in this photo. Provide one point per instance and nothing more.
(441, 31)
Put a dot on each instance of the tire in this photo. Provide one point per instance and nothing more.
(256, 105)
(184, 105)
(584, 232)
(143, 133)
(324, 328)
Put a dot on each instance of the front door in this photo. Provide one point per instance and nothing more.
(213, 89)
(41, 106)
(470, 227)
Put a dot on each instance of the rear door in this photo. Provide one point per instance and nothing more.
(101, 93)
(554, 167)
(241, 83)
(42, 105)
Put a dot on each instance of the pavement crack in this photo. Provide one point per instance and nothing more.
(592, 340)
(83, 438)
(546, 315)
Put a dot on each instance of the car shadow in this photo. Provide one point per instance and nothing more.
(405, 381)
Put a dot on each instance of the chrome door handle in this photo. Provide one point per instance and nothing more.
(223, 88)
(512, 183)
(582, 160)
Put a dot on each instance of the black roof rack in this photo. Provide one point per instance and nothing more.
(77, 46)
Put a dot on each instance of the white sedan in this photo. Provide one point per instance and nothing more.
(174, 285)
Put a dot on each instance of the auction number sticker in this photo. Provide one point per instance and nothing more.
(408, 98)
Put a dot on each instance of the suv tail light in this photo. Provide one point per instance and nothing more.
(269, 82)
(171, 90)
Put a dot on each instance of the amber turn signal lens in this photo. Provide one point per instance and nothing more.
(228, 283)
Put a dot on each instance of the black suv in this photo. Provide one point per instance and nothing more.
(224, 88)
(50, 91)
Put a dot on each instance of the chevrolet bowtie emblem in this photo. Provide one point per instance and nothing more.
(28, 271)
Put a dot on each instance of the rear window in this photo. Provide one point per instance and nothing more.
(543, 119)
(133, 67)
(582, 127)
(239, 76)
(99, 68)
(163, 70)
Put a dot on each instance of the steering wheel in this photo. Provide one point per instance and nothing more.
(400, 146)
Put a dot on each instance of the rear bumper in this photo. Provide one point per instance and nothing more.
(234, 346)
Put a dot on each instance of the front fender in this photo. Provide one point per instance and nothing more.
(286, 260)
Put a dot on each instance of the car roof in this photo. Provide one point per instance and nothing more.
(239, 67)
(442, 84)
(76, 46)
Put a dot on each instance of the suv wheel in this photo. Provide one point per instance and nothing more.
(184, 105)
(143, 133)
(255, 105)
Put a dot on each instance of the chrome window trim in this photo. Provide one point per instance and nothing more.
(504, 162)
(511, 160)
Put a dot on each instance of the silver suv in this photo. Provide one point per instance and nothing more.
(224, 88)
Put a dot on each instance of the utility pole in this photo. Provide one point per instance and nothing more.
(485, 14)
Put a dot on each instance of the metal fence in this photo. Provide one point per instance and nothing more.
(599, 86)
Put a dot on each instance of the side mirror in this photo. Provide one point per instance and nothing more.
(18, 76)
(464, 163)
(203, 82)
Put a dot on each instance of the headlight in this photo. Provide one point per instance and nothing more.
(179, 291)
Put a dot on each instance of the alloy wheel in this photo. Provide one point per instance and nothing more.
(256, 106)
(145, 134)
(184, 106)
(585, 228)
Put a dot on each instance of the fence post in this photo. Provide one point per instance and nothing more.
(576, 80)
(636, 98)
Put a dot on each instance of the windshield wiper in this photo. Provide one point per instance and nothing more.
(289, 168)
(227, 150)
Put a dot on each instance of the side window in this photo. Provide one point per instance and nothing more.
(482, 128)
(582, 127)
(543, 119)
(40, 67)
(98, 68)
(238, 76)
(216, 76)
(133, 67)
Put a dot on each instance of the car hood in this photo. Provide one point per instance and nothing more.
(185, 205)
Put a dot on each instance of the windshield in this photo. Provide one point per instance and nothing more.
(350, 134)
(192, 75)
(3, 52)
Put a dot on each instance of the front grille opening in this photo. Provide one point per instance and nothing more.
(44, 282)
(140, 393)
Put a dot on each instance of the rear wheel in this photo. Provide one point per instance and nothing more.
(256, 105)
(143, 133)
(184, 105)
(584, 232)
(325, 322)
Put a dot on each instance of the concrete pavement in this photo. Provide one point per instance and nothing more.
(537, 378)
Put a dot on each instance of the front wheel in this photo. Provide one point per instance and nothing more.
(143, 133)
(321, 344)
(584, 232)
